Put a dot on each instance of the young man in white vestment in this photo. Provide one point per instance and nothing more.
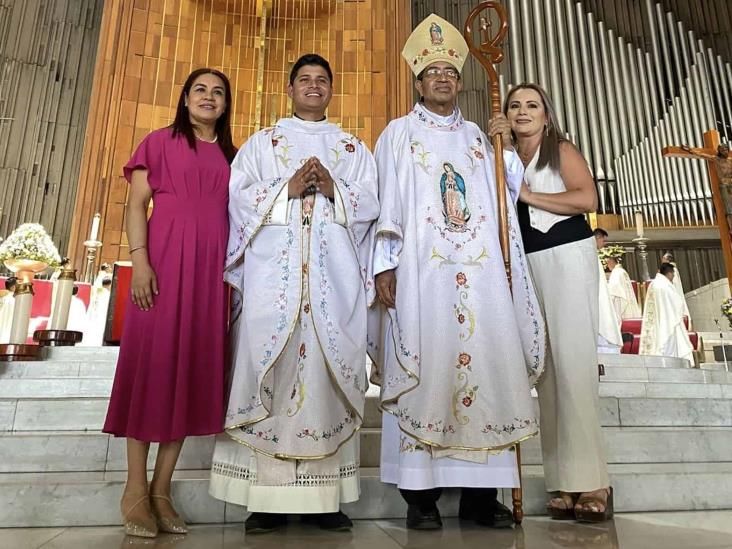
(663, 332)
(303, 199)
(455, 354)
(621, 290)
(609, 338)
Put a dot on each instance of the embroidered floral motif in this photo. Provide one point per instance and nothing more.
(422, 155)
(458, 240)
(461, 280)
(348, 144)
(538, 334)
(298, 387)
(418, 113)
(329, 433)
(448, 260)
(408, 445)
(475, 155)
(267, 435)
(280, 304)
(464, 361)
(463, 394)
(255, 403)
(346, 371)
(435, 426)
(281, 146)
(353, 197)
(517, 425)
(460, 310)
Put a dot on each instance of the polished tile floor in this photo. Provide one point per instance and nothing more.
(698, 530)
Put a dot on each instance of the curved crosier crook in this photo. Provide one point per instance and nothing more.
(488, 52)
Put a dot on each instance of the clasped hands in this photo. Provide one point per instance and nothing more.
(311, 174)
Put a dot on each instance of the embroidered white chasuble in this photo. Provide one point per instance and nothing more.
(663, 332)
(609, 339)
(622, 294)
(301, 270)
(457, 356)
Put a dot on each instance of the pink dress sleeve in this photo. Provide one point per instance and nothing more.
(146, 157)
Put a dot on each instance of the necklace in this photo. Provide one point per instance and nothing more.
(214, 140)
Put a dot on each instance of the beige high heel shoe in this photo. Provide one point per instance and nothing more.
(137, 528)
(170, 525)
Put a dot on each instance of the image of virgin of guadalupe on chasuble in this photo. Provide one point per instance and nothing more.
(301, 271)
(457, 356)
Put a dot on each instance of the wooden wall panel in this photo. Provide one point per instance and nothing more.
(47, 52)
(148, 48)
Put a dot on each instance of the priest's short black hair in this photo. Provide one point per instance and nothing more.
(600, 232)
(666, 268)
(10, 283)
(310, 59)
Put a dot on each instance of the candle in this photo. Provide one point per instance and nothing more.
(62, 305)
(21, 314)
(95, 227)
(639, 224)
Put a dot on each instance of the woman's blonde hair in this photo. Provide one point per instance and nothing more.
(552, 135)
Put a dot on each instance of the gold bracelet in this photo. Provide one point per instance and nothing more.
(137, 248)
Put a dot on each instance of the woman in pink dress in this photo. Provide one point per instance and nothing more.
(169, 382)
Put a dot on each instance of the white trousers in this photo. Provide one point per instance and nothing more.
(566, 280)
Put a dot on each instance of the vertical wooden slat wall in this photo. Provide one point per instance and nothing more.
(47, 52)
(147, 49)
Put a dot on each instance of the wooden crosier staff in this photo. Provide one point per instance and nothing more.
(488, 53)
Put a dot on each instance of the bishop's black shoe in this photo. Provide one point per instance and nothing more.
(261, 523)
(421, 518)
(334, 522)
(481, 505)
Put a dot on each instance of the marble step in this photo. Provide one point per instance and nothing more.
(92, 499)
(103, 369)
(665, 375)
(83, 353)
(45, 452)
(717, 366)
(83, 387)
(642, 360)
(87, 414)
(662, 390)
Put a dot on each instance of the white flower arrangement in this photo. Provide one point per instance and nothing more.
(30, 241)
(610, 252)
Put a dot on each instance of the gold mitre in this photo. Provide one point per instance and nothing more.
(434, 40)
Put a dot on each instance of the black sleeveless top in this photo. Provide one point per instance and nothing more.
(568, 230)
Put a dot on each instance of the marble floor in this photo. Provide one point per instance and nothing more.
(687, 530)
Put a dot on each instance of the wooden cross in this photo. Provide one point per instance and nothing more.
(719, 164)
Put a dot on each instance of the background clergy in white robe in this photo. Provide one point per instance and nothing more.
(663, 332)
(621, 291)
(96, 314)
(609, 338)
(77, 313)
(303, 198)
(7, 306)
(668, 257)
(456, 355)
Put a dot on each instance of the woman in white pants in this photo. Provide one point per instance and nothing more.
(558, 190)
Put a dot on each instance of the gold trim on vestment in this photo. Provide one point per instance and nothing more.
(288, 456)
(490, 449)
